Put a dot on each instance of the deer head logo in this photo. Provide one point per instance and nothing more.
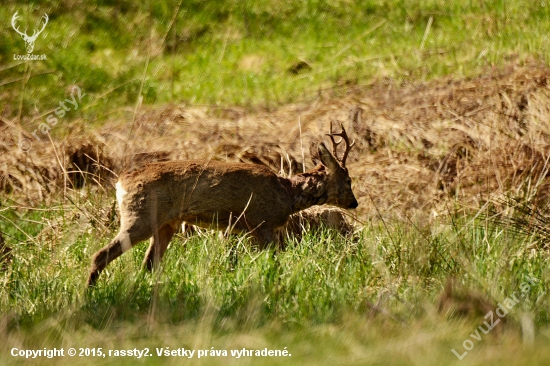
(29, 40)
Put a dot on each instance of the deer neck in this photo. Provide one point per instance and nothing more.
(308, 189)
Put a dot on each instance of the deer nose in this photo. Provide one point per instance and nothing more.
(354, 204)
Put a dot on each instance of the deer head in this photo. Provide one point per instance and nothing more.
(29, 40)
(334, 182)
(342, 194)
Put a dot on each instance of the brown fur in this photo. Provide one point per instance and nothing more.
(245, 197)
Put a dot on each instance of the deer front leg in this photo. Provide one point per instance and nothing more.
(159, 243)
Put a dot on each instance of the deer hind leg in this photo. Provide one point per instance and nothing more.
(125, 239)
(159, 243)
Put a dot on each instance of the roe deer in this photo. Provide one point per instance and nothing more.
(157, 198)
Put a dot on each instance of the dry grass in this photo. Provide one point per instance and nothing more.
(418, 145)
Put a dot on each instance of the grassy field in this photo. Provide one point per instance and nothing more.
(373, 298)
(251, 54)
(415, 284)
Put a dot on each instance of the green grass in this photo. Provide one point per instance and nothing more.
(315, 298)
(312, 298)
(239, 53)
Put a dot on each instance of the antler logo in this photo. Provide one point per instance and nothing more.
(29, 40)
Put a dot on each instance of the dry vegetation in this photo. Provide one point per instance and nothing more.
(422, 150)
(418, 145)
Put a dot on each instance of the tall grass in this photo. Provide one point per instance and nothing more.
(326, 297)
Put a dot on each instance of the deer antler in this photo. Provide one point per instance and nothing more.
(335, 144)
(15, 27)
(36, 33)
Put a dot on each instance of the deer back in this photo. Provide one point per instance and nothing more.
(206, 193)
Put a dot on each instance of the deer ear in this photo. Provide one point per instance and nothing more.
(314, 153)
(326, 157)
